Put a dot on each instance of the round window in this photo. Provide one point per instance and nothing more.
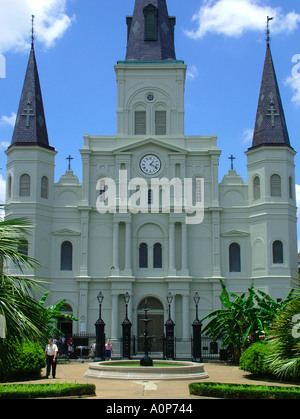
(150, 97)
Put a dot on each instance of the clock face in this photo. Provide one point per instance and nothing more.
(150, 164)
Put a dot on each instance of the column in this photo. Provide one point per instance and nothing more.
(116, 248)
(114, 316)
(172, 270)
(185, 317)
(184, 250)
(84, 243)
(128, 268)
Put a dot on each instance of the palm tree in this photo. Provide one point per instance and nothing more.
(284, 342)
(24, 313)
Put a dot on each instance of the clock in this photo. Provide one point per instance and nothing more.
(150, 164)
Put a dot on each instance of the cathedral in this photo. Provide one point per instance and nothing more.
(246, 232)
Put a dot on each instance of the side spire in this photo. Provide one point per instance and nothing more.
(30, 127)
(150, 32)
(270, 126)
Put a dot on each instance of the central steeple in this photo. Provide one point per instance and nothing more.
(150, 32)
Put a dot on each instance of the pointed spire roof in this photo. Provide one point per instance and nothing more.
(30, 127)
(161, 45)
(270, 126)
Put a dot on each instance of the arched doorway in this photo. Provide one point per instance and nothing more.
(155, 326)
(66, 325)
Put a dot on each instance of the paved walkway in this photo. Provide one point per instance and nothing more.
(166, 390)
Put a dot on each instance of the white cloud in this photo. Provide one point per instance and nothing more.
(192, 72)
(2, 190)
(294, 80)
(8, 120)
(294, 84)
(51, 22)
(234, 17)
(247, 136)
(4, 145)
(298, 213)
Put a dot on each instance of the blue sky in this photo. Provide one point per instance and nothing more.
(79, 41)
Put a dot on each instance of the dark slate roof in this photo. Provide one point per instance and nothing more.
(270, 126)
(161, 49)
(30, 127)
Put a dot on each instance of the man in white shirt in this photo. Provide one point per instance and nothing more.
(51, 352)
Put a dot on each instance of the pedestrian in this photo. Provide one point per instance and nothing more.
(108, 350)
(51, 352)
(93, 349)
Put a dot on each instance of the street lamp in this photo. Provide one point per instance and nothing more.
(197, 353)
(100, 335)
(126, 325)
(170, 341)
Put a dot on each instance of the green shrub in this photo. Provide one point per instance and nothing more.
(34, 391)
(25, 362)
(253, 359)
(239, 391)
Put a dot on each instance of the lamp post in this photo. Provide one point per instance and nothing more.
(100, 335)
(197, 353)
(170, 341)
(146, 361)
(126, 325)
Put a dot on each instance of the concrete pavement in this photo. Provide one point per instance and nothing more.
(166, 390)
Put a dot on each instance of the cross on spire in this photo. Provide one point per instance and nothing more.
(232, 159)
(32, 32)
(28, 114)
(70, 159)
(272, 113)
(268, 29)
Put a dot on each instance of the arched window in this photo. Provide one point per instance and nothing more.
(140, 122)
(150, 13)
(234, 258)
(66, 257)
(277, 252)
(24, 185)
(160, 122)
(275, 185)
(23, 247)
(256, 188)
(143, 255)
(291, 187)
(9, 186)
(102, 190)
(44, 187)
(157, 255)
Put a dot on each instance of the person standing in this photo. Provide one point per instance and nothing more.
(51, 352)
(108, 350)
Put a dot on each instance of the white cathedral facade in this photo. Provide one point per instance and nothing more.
(248, 232)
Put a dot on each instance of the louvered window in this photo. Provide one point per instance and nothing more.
(25, 185)
(140, 123)
(291, 187)
(256, 188)
(150, 14)
(44, 187)
(275, 185)
(160, 123)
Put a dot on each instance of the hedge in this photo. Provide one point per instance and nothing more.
(238, 391)
(34, 391)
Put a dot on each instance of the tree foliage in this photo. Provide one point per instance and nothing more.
(244, 318)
